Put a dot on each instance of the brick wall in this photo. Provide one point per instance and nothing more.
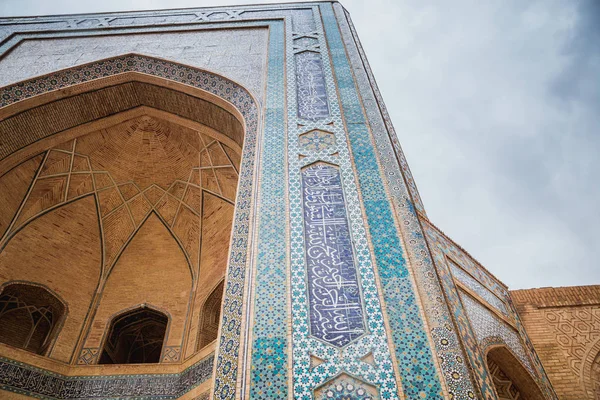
(564, 326)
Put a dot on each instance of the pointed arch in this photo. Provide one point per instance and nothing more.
(210, 318)
(31, 316)
(511, 378)
(136, 336)
(151, 270)
(45, 112)
(72, 251)
(590, 370)
(120, 84)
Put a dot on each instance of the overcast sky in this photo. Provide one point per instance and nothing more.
(497, 107)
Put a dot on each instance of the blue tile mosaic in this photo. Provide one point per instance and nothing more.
(269, 370)
(470, 282)
(336, 309)
(413, 352)
(444, 339)
(311, 378)
(24, 379)
(307, 95)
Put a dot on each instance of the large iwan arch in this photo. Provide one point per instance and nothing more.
(142, 145)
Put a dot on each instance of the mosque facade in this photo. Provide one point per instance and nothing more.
(212, 203)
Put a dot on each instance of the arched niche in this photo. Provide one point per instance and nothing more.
(30, 316)
(45, 117)
(209, 321)
(151, 270)
(511, 379)
(135, 337)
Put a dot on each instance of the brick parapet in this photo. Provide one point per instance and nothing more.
(558, 296)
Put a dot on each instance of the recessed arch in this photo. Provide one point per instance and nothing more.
(148, 82)
(31, 316)
(72, 252)
(590, 370)
(136, 336)
(209, 320)
(511, 378)
(127, 81)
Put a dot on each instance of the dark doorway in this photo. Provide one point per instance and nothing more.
(135, 337)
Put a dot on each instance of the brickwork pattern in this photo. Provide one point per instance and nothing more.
(564, 327)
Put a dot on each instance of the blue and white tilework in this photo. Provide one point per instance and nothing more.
(418, 371)
(488, 327)
(445, 339)
(335, 305)
(312, 96)
(25, 379)
(478, 288)
(269, 369)
(336, 155)
(324, 169)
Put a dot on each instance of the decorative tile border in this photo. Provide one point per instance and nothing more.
(309, 375)
(269, 362)
(487, 326)
(470, 282)
(476, 335)
(444, 339)
(31, 381)
(417, 367)
(270, 351)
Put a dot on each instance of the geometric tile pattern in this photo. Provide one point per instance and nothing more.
(336, 308)
(346, 387)
(418, 369)
(88, 356)
(489, 328)
(269, 367)
(478, 288)
(444, 338)
(349, 31)
(316, 141)
(314, 126)
(439, 248)
(315, 361)
(171, 354)
(21, 378)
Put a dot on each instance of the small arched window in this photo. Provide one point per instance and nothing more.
(135, 337)
(211, 313)
(30, 317)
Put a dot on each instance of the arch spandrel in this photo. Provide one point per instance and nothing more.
(42, 259)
